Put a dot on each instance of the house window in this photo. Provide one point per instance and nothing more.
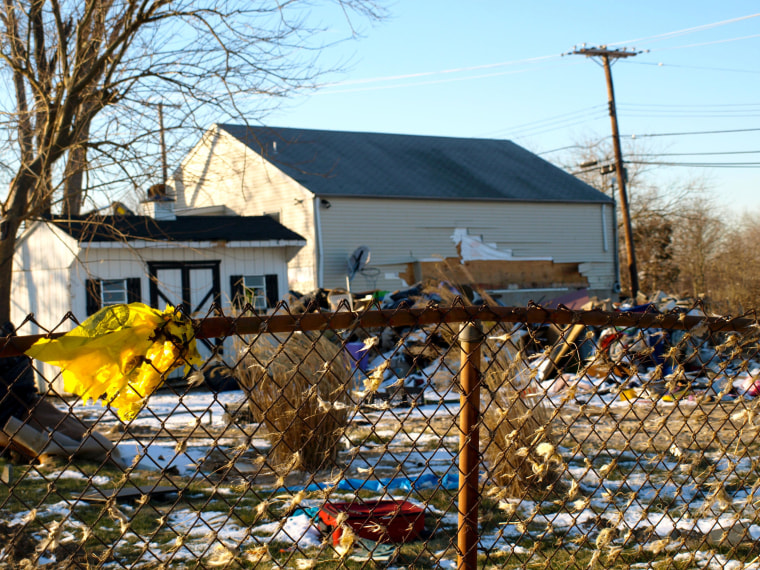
(255, 291)
(259, 291)
(104, 292)
(113, 292)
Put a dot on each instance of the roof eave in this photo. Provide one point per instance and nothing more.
(167, 244)
(462, 199)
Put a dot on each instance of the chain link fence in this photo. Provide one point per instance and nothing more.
(467, 436)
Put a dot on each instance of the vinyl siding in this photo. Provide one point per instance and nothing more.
(117, 263)
(223, 171)
(49, 279)
(401, 231)
(41, 277)
(41, 287)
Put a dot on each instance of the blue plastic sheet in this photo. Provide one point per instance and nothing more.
(419, 483)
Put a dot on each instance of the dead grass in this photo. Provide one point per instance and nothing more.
(518, 444)
(517, 438)
(298, 390)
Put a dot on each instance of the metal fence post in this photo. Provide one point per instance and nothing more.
(470, 339)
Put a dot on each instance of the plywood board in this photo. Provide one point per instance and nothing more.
(499, 274)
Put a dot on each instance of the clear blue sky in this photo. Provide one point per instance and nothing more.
(494, 69)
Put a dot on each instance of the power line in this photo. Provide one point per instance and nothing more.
(702, 44)
(681, 105)
(699, 67)
(685, 114)
(568, 147)
(573, 118)
(566, 125)
(584, 110)
(438, 72)
(726, 131)
(428, 82)
(703, 27)
(698, 164)
(549, 124)
(730, 153)
(530, 60)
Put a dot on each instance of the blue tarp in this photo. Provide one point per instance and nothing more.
(419, 483)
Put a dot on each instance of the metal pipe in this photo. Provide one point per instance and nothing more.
(470, 339)
(217, 327)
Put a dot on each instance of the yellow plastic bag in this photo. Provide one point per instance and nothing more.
(122, 353)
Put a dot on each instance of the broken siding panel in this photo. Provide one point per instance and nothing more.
(401, 231)
(599, 275)
(566, 232)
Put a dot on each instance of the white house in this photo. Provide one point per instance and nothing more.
(409, 199)
(80, 264)
(83, 263)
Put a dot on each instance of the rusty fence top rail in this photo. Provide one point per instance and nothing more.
(223, 326)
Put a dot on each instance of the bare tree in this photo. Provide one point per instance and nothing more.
(81, 80)
(653, 229)
(661, 217)
(728, 260)
(698, 240)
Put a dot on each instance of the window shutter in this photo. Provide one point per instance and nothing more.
(273, 294)
(134, 290)
(93, 295)
(236, 291)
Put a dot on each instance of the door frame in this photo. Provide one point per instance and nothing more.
(185, 267)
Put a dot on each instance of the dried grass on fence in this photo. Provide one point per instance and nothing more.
(519, 447)
(298, 390)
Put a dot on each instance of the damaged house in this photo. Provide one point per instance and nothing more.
(479, 211)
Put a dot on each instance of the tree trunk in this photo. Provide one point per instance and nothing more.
(72, 185)
(7, 248)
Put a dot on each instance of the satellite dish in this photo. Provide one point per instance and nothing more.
(357, 260)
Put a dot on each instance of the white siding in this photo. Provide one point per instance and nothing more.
(41, 287)
(401, 231)
(223, 171)
(41, 277)
(49, 279)
(124, 262)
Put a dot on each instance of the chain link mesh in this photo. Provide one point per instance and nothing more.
(605, 441)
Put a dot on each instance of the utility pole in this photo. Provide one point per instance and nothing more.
(164, 168)
(606, 55)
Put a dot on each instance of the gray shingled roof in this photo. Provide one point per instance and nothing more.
(335, 163)
(184, 228)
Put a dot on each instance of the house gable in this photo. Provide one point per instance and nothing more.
(221, 170)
